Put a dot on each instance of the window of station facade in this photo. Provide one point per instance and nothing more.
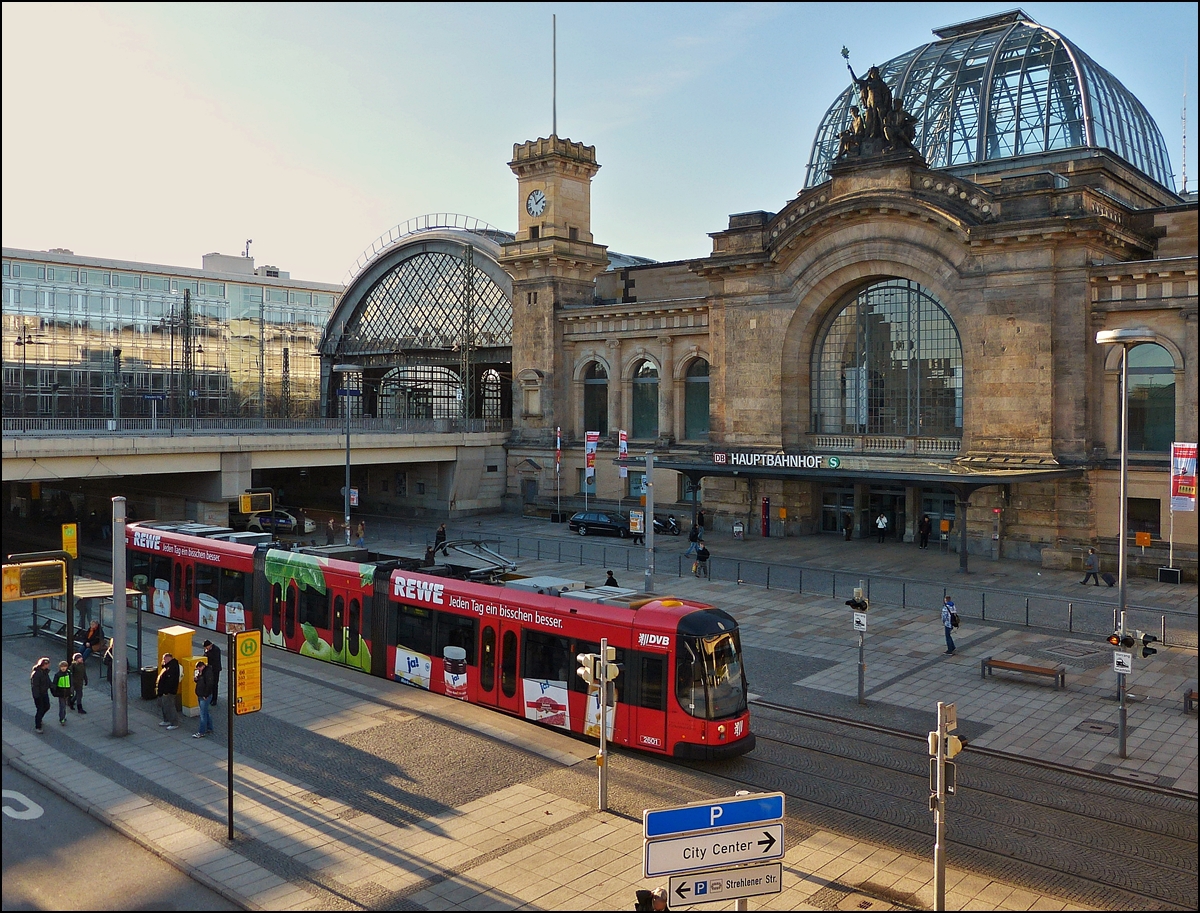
(645, 401)
(695, 400)
(595, 398)
(1145, 516)
(1151, 398)
(890, 363)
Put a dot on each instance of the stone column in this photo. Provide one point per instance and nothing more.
(616, 388)
(1185, 396)
(666, 389)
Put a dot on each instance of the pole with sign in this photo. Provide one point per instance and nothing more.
(591, 439)
(245, 686)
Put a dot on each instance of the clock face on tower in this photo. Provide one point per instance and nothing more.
(535, 205)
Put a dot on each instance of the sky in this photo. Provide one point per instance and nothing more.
(161, 132)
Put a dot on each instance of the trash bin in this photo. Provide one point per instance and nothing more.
(149, 679)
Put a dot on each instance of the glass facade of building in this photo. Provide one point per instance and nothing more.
(184, 342)
(1000, 88)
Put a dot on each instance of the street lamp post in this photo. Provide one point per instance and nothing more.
(343, 370)
(1125, 337)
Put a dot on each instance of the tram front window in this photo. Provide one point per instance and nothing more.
(709, 682)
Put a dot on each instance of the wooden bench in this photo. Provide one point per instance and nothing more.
(1189, 699)
(1058, 673)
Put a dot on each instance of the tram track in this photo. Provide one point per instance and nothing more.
(1097, 840)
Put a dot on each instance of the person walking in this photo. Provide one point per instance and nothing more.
(881, 524)
(39, 684)
(79, 680)
(693, 540)
(949, 616)
(610, 580)
(924, 528)
(61, 689)
(205, 690)
(702, 556)
(165, 688)
(848, 525)
(1091, 568)
(212, 657)
(700, 522)
(330, 531)
(439, 541)
(361, 540)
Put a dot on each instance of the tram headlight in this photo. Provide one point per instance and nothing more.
(721, 732)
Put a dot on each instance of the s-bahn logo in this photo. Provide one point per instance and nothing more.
(418, 590)
(654, 640)
(147, 540)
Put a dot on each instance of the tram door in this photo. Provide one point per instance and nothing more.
(499, 666)
(347, 632)
(183, 592)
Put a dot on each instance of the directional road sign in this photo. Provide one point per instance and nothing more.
(677, 855)
(708, 816)
(726, 884)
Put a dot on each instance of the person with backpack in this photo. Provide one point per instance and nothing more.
(60, 687)
(41, 686)
(702, 556)
(949, 622)
(212, 656)
(693, 540)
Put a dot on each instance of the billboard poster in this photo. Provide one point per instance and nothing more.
(623, 451)
(558, 450)
(591, 440)
(1183, 477)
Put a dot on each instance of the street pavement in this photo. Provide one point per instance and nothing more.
(522, 830)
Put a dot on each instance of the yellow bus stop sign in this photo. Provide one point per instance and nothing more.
(248, 671)
(70, 537)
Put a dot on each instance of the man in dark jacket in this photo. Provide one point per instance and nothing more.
(165, 688)
(204, 693)
(439, 540)
(39, 683)
(212, 657)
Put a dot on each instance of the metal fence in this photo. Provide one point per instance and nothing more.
(143, 425)
(997, 606)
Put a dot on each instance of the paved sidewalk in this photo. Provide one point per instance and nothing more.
(524, 846)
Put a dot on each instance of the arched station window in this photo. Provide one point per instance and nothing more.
(890, 363)
(695, 401)
(595, 399)
(1151, 398)
(645, 401)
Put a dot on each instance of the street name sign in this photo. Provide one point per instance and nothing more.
(678, 855)
(760, 808)
(726, 884)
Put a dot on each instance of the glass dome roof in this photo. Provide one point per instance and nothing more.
(1002, 87)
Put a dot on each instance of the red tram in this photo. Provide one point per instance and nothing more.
(681, 692)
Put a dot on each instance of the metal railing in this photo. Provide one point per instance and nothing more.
(171, 427)
(1046, 611)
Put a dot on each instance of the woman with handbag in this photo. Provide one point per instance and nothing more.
(949, 622)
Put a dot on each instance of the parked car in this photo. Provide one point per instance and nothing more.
(280, 521)
(610, 522)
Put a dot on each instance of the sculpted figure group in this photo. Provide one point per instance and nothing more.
(876, 118)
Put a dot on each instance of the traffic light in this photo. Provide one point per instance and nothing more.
(1145, 640)
(1121, 639)
(954, 745)
(588, 670)
(858, 602)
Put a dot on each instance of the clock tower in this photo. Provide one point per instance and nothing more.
(554, 263)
